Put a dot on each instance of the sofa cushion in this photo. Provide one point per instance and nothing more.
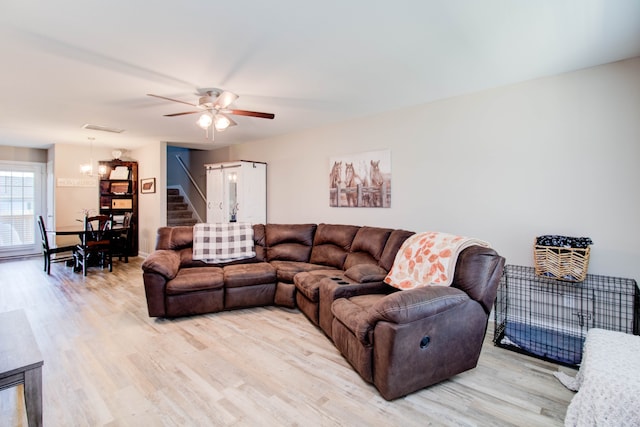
(365, 273)
(186, 304)
(289, 252)
(223, 242)
(308, 282)
(355, 258)
(289, 242)
(260, 242)
(353, 313)
(285, 233)
(391, 248)
(187, 261)
(195, 279)
(285, 295)
(367, 246)
(249, 296)
(174, 237)
(332, 243)
(163, 238)
(181, 237)
(240, 275)
(285, 270)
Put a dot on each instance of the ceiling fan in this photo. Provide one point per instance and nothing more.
(214, 106)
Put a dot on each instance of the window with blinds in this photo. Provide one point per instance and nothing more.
(19, 201)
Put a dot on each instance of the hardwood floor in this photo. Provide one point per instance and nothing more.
(106, 363)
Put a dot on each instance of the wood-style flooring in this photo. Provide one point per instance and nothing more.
(107, 363)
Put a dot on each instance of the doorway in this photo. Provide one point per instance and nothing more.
(21, 196)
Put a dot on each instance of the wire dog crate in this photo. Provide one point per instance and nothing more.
(549, 318)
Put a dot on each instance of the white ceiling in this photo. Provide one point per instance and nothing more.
(65, 63)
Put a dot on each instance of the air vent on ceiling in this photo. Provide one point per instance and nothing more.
(102, 128)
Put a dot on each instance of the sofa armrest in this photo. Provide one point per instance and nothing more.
(361, 314)
(366, 273)
(154, 288)
(353, 318)
(331, 291)
(411, 305)
(164, 262)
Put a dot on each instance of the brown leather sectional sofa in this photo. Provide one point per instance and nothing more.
(400, 341)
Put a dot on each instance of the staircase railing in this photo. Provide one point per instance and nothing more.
(193, 181)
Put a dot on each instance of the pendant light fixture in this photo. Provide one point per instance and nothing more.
(87, 168)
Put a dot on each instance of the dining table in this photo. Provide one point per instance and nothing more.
(65, 231)
(79, 231)
(70, 230)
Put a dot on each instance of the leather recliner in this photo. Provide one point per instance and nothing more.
(407, 340)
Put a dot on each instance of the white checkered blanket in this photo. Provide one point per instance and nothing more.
(223, 242)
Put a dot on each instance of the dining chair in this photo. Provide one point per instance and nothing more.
(121, 239)
(95, 248)
(53, 253)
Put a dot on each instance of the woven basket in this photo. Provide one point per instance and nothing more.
(568, 264)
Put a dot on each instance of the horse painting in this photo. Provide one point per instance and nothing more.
(377, 181)
(375, 174)
(353, 180)
(335, 176)
(361, 180)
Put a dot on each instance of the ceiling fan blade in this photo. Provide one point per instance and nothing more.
(251, 114)
(224, 100)
(171, 99)
(182, 114)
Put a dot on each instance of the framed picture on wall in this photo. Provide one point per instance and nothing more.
(147, 185)
(361, 180)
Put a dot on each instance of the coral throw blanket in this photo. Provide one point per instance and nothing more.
(223, 242)
(428, 259)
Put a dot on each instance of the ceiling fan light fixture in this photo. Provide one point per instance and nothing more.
(206, 102)
(215, 103)
(205, 121)
(221, 122)
(225, 98)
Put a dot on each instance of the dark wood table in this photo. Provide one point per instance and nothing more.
(21, 362)
(70, 230)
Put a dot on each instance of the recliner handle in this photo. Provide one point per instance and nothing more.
(424, 342)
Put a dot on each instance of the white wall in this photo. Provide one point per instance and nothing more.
(23, 154)
(557, 155)
(152, 208)
(69, 201)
